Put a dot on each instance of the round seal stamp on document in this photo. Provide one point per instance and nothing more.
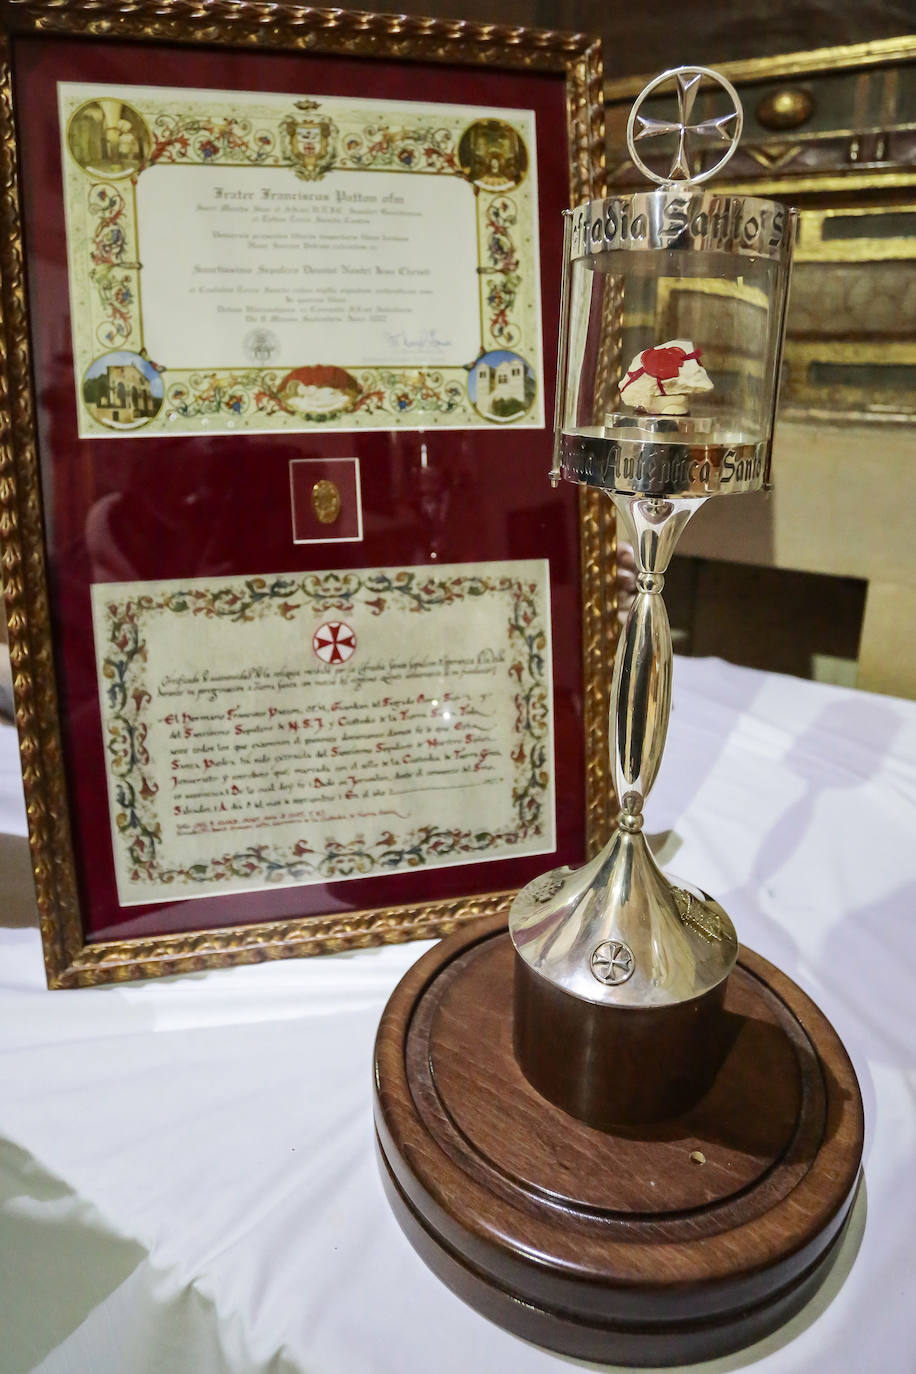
(334, 642)
(260, 345)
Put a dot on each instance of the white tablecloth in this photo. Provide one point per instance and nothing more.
(187, 1177)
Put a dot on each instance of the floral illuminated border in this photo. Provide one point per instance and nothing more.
(107, 275)
(127, 699)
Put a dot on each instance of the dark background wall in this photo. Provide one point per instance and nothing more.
(648, 35)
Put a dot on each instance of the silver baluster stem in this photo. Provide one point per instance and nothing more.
(618, 931)
(641, 691)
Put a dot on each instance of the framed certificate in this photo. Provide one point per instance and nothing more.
(306, 652)
(344, 263)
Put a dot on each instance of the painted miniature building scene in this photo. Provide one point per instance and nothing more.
(122, 393)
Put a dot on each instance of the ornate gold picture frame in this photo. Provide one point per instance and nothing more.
(97, 526)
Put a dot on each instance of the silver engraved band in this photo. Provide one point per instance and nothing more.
(634, 466)
(681, 219)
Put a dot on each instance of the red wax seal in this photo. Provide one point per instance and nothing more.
(663, 363)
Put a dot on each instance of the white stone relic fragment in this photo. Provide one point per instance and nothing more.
(661, 380)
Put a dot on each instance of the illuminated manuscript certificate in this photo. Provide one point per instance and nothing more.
(312, 727)
(255, 262)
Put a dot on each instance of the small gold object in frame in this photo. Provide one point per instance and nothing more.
(326, 501)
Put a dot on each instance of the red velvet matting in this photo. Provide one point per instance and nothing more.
(199, 507)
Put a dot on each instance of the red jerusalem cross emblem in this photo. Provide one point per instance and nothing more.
(334, 642)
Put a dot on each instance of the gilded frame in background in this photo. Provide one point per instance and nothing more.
(72, 960)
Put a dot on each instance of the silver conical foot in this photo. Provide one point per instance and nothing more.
(619, 932)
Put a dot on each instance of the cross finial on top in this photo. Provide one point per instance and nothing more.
(725, 128)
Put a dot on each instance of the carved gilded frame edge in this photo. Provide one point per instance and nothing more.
(878, 52)
(742, 72)
(69, 960)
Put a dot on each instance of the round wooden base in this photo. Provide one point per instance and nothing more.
(655, 1244)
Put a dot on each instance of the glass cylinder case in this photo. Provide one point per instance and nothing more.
(669, 365)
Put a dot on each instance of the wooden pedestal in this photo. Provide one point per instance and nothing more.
(654, 1244)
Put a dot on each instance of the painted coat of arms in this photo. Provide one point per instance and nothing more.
(309, 141)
